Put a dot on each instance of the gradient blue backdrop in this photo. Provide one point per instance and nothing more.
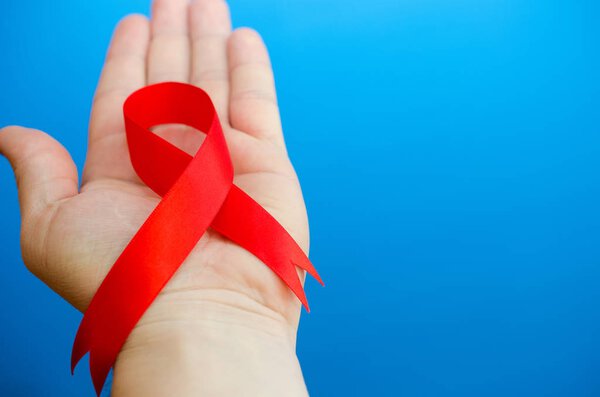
(449, 153)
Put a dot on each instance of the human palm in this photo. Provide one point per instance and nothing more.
(71, 236)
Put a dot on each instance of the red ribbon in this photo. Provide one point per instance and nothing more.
(197, 193)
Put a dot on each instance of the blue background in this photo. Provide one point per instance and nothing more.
(449, 154)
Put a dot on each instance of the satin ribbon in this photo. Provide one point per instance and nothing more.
(197, 193)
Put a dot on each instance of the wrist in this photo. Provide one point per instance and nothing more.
(187, 341)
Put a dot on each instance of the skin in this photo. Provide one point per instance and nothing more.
(225, 324)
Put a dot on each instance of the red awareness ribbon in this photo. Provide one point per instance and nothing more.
(197, 193)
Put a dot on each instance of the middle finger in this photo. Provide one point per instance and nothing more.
(169, 53)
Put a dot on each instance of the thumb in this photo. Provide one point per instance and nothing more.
(43, 168)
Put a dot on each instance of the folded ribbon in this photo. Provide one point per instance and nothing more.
(197, 193)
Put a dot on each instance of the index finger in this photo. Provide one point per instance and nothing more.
(124, 72)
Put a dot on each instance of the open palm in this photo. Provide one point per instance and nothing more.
(71, 236)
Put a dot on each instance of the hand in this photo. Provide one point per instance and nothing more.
(223, 303)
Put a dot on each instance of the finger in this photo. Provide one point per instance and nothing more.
(124, 72)
(169, 54)
(210, 27)
(253, 103)
(44, 170)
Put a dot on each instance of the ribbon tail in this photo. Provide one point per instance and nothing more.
(100, 365)
(245, 222)
(288, 274)
(300, 260)
(81, 345)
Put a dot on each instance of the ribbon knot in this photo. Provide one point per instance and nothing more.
(197, 193)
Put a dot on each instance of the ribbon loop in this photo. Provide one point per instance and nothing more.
(157, 162)
(197, 193)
